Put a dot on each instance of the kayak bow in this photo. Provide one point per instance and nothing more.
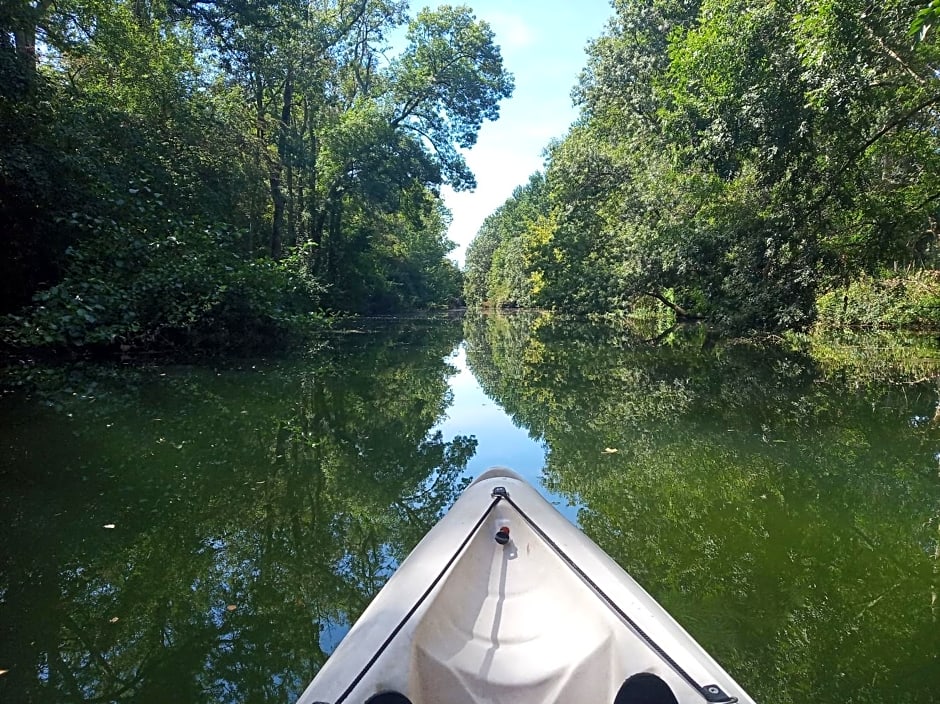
(505, 601)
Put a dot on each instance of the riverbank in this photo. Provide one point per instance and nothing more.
(905, 301)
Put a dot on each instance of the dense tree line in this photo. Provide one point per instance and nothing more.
(211, 171)
(733, 160)
(493, 270)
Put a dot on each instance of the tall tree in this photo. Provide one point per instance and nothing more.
(446, 83)
(271, 141)
(499, 271)
(406, 134)
(736, 158)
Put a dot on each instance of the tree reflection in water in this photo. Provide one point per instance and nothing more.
(256, 510)
(781, 500)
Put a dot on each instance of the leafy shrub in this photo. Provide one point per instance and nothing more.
(909, 301)
(169, 284)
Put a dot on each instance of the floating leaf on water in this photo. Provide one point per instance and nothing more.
(3, 672)
(114, 619)
(610, 450)
(231, 607)
(108, 525)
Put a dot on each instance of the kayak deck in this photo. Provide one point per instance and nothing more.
(545, 617)
(484, 636)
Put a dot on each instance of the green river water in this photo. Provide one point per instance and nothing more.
(198, 533)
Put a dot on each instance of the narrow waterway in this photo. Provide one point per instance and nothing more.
(206, 533)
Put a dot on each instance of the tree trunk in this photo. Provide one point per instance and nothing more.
(325, 211)
(24, 38)
(315, 234)
(277, 194)
(291, 206)
(277, 197)
(678, 310)
(335, 221)
(258, 226)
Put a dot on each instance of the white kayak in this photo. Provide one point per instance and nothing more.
(504, 601)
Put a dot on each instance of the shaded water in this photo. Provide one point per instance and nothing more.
(199, 534)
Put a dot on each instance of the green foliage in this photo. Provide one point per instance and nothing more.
(739, 159)
(291, 166)
(925, 19)
(897, 302)
(479, 261)
(133, 285)
(498, 271)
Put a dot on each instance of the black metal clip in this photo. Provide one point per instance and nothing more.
(501, 492)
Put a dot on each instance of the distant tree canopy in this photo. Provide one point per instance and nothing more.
(734, 160)
(176, 170)
(495, 272)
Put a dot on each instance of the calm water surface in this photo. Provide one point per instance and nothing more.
(206, 534)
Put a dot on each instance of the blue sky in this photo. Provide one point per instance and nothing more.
(542, 43)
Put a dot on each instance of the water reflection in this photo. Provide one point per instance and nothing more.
(201, 534)
(500, 439)
(778, 500)
(190, 534)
